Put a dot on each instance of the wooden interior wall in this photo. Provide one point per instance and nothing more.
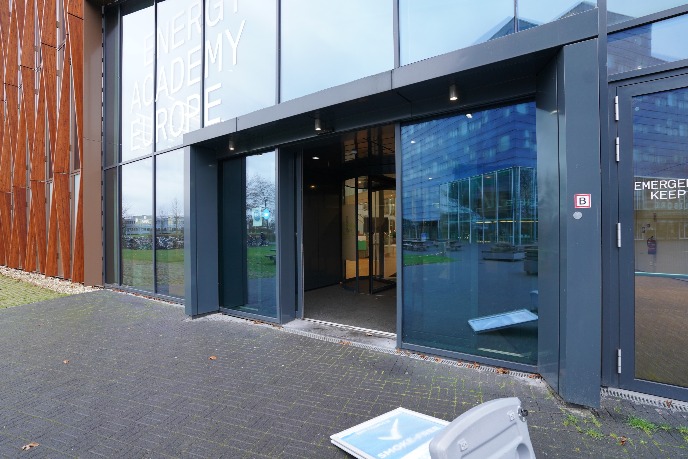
(42, 72)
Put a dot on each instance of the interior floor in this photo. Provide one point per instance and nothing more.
(338, 305)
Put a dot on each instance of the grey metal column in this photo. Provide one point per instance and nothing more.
(579, 245)
(200, 231)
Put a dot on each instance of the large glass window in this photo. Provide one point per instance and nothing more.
(240, 58)
(647, 45)
(433, 27)
(248, 251)
(136, 232)
(138, 55)
(169, 223)
(470, 233)
(178, 81)
(533, 13)
(261, 231)
(327, 43)
(623, 10)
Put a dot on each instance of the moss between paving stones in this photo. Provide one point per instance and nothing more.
(15, 293)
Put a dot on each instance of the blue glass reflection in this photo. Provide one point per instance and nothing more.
(647, 45)
(623, 10)
(470, 231)
(435, 27)
(533, 13)
(325, 44)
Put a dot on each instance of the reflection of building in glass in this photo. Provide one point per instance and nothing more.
(472, 177)
(499, 206)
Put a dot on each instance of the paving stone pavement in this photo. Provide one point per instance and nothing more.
(139, 383)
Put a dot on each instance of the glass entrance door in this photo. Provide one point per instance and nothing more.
(368, 233)
(653, 172)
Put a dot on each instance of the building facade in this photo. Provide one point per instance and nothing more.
(499, 183)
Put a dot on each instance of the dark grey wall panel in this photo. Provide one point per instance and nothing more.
(232, 246)
(548, 228)
(200, 231)
(580, 247)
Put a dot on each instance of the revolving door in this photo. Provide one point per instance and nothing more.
(369, 233)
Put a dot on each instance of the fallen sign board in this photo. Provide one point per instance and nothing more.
(398, 434)
(503, 320)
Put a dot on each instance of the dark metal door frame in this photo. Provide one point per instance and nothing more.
(626, 257)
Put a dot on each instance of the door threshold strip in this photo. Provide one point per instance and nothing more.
(354, 328)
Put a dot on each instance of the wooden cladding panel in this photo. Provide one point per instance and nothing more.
(35, 138)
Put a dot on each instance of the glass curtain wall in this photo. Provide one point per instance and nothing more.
(470, 233)
(433, 27)
(624, 10)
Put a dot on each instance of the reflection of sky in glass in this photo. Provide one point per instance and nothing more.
(137, 188)
(433, 27)
(178, 98)
(647, 45)
(327, 43)
(169, 183)
(543, 11)
(260, 183)
(241, 50)
(137, 83)
(622, 10)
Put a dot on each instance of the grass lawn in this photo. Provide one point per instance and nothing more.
(413, 259)
(15, 293)
(138, 266)
(260, 265)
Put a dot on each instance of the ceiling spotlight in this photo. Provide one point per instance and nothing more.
(231, 145)
(453, 93)
(316, 157)
(318, 125)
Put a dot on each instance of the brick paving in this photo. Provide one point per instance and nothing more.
(15, 293)
(139, 383)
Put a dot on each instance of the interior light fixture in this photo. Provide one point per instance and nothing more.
(318, 125)
(453, 93)
(231, 145)
(413, 141)
(469, 116)
(316, 157)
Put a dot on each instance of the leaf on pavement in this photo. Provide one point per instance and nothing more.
(212, 357)
(65, 362)
(33, 444)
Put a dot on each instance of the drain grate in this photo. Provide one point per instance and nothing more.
(645, 399)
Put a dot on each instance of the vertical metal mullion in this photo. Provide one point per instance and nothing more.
(278, 54)
(396, 37)
(399, 218)
(118, 160)
(154, 217)
(202, 94)
(515, 16)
